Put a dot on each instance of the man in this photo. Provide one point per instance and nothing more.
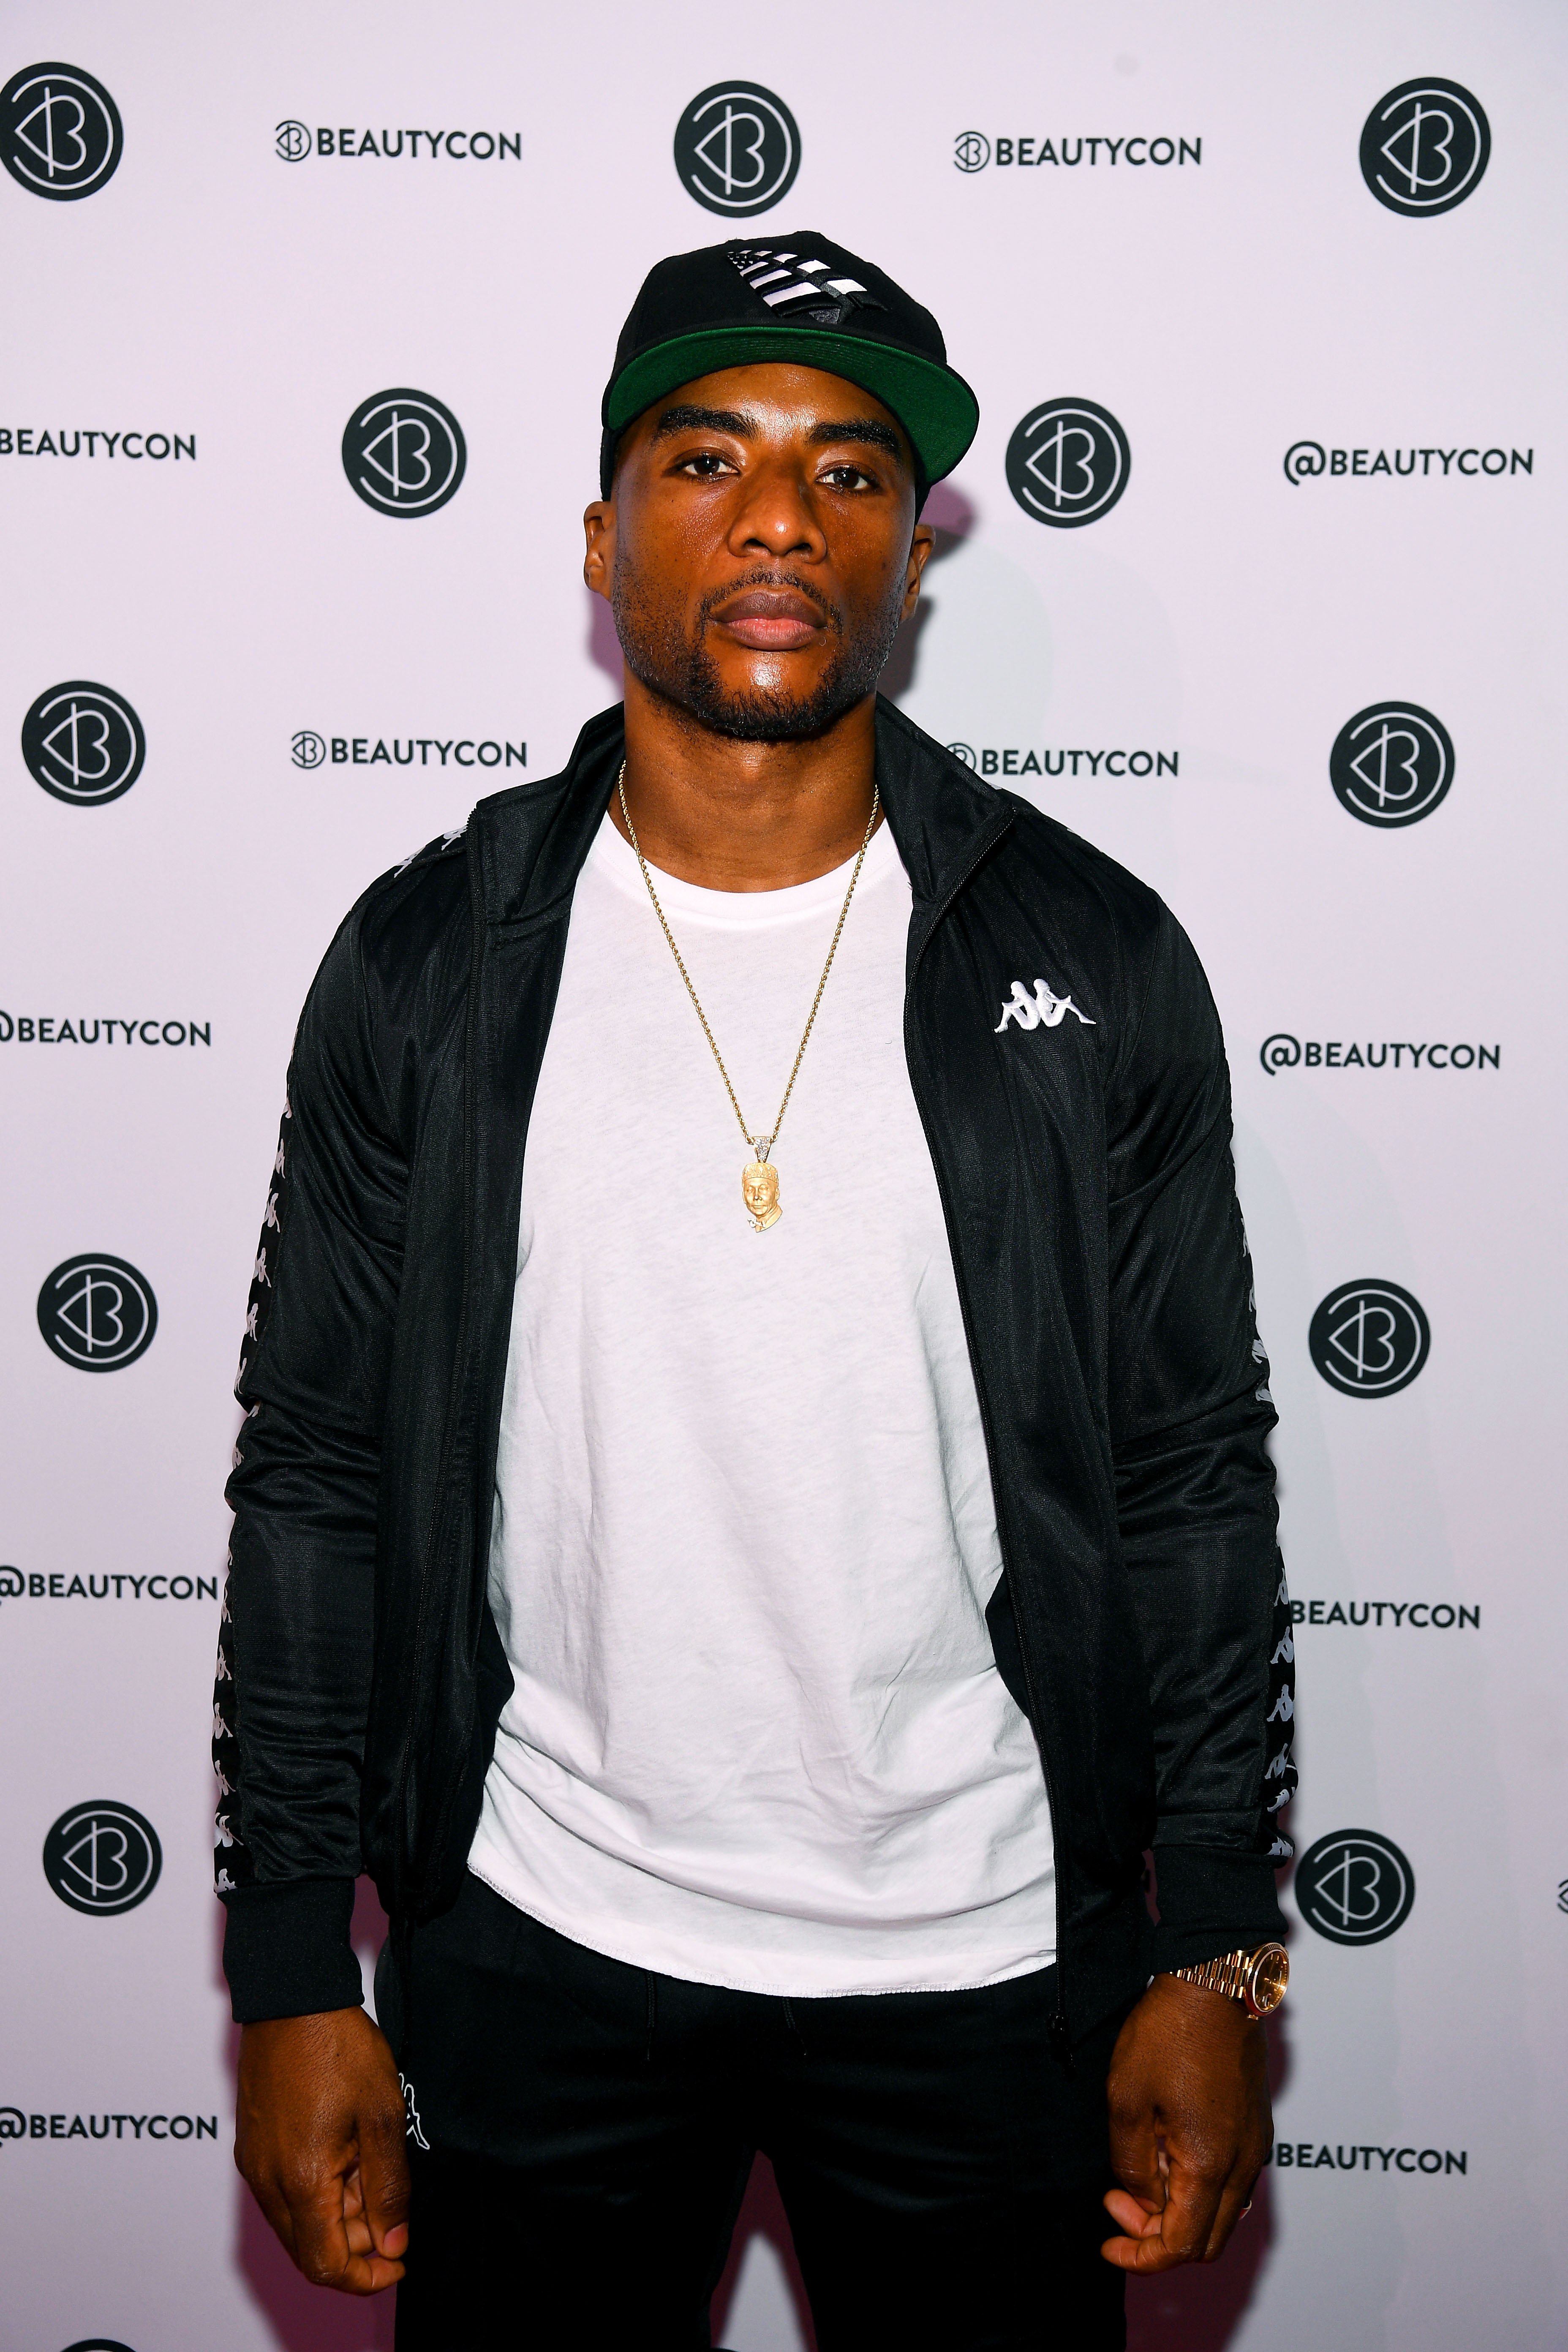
(752, 1630)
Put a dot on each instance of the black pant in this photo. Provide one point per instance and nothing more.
(590, 2127)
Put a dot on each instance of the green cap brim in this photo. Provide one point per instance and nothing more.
(934, 405)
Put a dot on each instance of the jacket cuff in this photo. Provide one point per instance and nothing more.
(286, 1950)
(1212, 1901)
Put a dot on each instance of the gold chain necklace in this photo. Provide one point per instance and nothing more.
(759, 1178)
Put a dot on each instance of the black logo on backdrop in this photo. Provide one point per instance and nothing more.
(404, 453)
(971, 150)
(1023, 760)
(1391, 764)
(102, 1858)
(1354, 1888)
(1306, 460)
(98, 2344)
(97, 1313)
(1343, 2155)
(16, 2125)
(1369, 1339)
(294, 142)
(309, 749)
(60, 131)
(1281, 1051)
(1068, 463)
(737, 149)
(1424, 147)
(83, 743)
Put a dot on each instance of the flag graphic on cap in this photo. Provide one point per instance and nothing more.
(791, 282)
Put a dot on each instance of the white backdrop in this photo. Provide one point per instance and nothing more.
(1224, 308)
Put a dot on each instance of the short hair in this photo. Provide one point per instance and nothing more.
(767, 1165)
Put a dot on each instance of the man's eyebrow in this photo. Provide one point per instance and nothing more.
(869, 429)
(686, 419)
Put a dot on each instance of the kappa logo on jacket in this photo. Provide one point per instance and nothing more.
(1043, 1010)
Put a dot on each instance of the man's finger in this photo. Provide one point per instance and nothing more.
(1135, 2157)
(1189, 2211)
(1233, 2204)
(1161, 2239)
(383, 2179)
(269, 2195)
(321, 2247)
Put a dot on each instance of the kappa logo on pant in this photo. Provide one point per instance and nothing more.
(1043, 1010)
(414, 2130)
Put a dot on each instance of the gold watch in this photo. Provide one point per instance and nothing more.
(1257, 1978)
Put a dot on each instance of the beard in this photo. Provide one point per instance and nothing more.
(681, 670)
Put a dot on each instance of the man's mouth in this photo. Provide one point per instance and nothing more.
(771, 620)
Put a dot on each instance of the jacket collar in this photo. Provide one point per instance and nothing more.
(530, 842)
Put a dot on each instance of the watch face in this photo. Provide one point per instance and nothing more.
(1270, 1978)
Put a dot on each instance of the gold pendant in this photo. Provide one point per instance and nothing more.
(760, 1189)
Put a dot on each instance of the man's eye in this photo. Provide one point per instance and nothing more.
(849, 477)
(707, 465)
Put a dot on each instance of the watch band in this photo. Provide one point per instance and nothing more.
(1257, 1978)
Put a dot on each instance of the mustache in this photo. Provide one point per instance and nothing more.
(767, 575)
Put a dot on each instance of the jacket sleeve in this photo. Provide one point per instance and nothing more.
(1190, 1413)
(295, 1637)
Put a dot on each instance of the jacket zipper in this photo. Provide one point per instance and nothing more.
(1058, 2031)
(472, 1027)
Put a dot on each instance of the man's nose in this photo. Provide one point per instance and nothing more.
(776, 513)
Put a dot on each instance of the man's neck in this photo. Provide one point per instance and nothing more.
(730, 815)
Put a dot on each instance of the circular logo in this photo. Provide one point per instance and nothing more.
(1391, 764)
(1068, 463)
(60, 131)
(1354, 1888)
(1280, 1052)
(98, 2344)
(1424, 147)
(1369, 1339)
(97, 1313)
(102, 1858)
(971, 150)
(404, 453)
(83, 743)
(308, 748)
(737, 149)
(964, 752)
(293, 141)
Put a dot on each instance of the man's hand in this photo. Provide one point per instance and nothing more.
(318, 2137)
(1190, 2124)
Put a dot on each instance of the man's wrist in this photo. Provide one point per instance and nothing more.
(286, 1950)
(1212, 1900)
(1256, 1980)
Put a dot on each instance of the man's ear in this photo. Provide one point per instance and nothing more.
(922, 542)
(599, 530)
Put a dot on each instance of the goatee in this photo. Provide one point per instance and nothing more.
(660, 657)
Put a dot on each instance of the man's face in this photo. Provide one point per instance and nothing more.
(760, 548)
(760, 1188)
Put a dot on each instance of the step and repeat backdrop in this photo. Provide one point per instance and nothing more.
(1252, 577)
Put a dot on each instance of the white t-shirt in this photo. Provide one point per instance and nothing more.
(744, 1533)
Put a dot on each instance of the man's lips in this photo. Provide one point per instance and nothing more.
(771, 620)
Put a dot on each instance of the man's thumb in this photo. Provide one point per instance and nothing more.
(384, 2181)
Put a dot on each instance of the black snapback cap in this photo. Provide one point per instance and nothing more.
(802, 299)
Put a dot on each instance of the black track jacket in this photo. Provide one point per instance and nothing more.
(1086, 1173)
